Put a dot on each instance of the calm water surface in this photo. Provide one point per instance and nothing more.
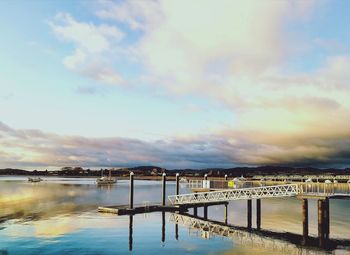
(59, 216)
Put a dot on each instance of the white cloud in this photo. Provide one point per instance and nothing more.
(87, 36)
(136, 14)
(233, 52)
(92, 42)
(73, 61)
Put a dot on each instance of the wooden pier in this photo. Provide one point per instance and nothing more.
(205, 197)
(131, 209)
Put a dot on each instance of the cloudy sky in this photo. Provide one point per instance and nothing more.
(175, 83)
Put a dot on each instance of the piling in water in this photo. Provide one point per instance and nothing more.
(164, 188)
(305, 211)
(131, 191)
(326, 218)
(249, 213)
(205, 212)
(320, 214)
(177, 191)
(258, 213)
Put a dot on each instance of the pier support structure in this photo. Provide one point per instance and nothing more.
(131, 191)
(258, 214)
(177, 191)
(163, 188)
(226, 213)
(320, 214)
(249, 213)
(205, 209)
(195, 211)
(323, 220)
(327, 218)
(305, 211)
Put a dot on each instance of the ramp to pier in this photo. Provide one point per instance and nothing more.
(287, 190)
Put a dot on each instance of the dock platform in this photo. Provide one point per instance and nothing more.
(126, 210)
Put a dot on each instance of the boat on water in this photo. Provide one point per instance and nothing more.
(34, 179)
(106, 179)
(183, 180)
(239, 179)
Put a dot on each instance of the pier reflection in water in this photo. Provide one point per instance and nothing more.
(59, 216)
(244, 239)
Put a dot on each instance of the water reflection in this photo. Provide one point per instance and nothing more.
(260, 241)
(163, 228)
(131, 220)
(56, 213)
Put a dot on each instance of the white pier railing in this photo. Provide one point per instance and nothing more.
(287, 190)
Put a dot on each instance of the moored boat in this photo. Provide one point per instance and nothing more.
(34, 179)
(309, 180)
(106, 180)
(183, 180)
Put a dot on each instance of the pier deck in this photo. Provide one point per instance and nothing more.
(126, 210)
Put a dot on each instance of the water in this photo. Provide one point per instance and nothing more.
(59, 216)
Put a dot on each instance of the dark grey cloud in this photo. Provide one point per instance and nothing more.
(35, 148)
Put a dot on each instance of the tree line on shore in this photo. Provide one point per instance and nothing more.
(156, 171)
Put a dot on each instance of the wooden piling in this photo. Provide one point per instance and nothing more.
(164, 188)
(320, 213)
(249, 213)
(226, 213)
(195, 211)
(205, 208)
(131, 191)
(305, 211)
(326, 218)
(177, 191)
(258, 213)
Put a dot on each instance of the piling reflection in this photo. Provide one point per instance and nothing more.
(177, 231)
(283, 243)
(131, 219)
(163, 228)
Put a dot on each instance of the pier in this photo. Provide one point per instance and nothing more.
(132, 209)
(204, 196)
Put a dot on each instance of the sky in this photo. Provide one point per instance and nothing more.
(174, 83)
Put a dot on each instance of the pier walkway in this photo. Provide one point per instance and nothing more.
(287, 190)
(304, 190)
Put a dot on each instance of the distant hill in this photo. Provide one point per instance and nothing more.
(11, 171)
(155, 170)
